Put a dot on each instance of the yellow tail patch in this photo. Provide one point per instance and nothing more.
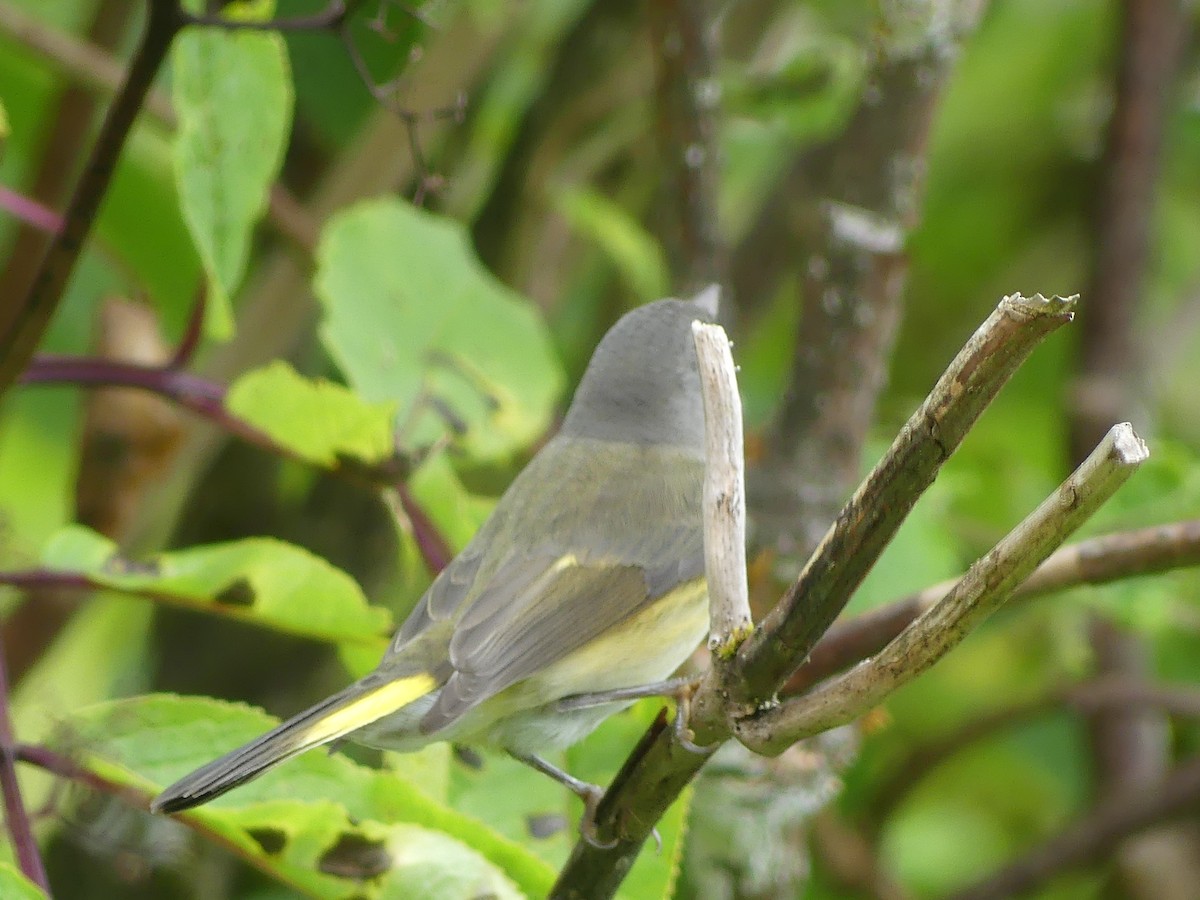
(370, 707)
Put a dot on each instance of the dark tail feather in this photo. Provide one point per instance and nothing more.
(360, 704)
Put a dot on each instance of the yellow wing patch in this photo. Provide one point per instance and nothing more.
(370, 707)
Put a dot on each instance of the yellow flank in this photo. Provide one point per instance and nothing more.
(368, 708)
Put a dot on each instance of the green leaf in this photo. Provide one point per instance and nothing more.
(633, 250)
(412, 315)
(259, 580)
(351, 822)
(15, 886)
(233, 95)
(141, 226)
(317, 419)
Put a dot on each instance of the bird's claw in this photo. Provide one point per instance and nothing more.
(591, 798)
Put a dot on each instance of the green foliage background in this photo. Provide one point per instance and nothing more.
(543, 231)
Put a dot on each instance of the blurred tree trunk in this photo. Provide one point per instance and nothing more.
(1130, 746)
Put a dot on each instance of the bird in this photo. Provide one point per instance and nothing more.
(583, 589)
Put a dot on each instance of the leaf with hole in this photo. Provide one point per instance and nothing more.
(319, 822)
(259, 580)
(411, 315)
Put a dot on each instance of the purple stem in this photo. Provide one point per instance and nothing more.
(191, 334)
(434, 549)
(203, 397)
(207, 399)
(30, 211)
(15, 815)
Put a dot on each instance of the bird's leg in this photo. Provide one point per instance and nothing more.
(590, 794)
(683, 712)
(669, 688)
(678, 689)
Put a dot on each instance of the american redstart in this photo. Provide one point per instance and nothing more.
(587, 579)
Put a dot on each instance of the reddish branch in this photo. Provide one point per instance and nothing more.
(15, 816)
(207, 399)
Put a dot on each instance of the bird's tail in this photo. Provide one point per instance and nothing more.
(360, 704)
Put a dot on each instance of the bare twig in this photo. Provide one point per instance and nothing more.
(1100, 560)
(190, 339)
(872, 516)
(1093, 838)
(15, 815)
(980, 592)
(724, 492)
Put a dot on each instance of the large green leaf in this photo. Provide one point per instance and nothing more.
(258, 580)
(141, 226)
(15, 886)
(317, 419)
(412, 315)
(320, 822)
(233, 95)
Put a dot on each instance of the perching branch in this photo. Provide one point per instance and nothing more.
(981, 591)
(662, 766)
(724, 492)
(872, 516)
(1113, 557)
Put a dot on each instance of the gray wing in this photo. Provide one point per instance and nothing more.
(536, 584)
